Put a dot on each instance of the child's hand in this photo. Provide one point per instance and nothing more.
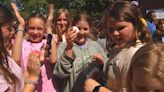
(97, 57)
(17, 14)
(33, 66)
(51, 8)
(50, 18)
(70, 37)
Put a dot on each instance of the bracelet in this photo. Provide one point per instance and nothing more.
(96, 89)
(32, 82)
(20, 30)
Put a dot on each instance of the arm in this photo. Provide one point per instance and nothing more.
(63, 66)
(50, 16)
(90, 85)
(53, 54)
(17, 47)
(33, 69)
(65, 60)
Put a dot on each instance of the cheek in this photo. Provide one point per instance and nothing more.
(87, 33)
(127, 34)
(58, 22)
(5, 33)
(29, 32)
(41, 33)
(65, 22)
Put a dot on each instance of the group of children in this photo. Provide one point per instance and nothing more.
(37, 63)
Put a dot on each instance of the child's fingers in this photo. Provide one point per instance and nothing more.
(14, 6)
(17, 14)
(98, 57)
(33, 66)
(42, 53)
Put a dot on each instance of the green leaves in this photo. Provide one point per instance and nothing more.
(95, 8)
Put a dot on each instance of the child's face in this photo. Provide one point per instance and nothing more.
(83, 33)
(121, 33)
(145, 82)
(162, 27)
(6, 30)
(153, 17)
(36, 28)
(62, 22)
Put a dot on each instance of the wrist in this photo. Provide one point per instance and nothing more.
(69, 46)
(21, 26)
(20, 29)
(31, 82)
(33, 78)
(97, 88)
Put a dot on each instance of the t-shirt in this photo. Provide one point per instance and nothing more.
(15, 69)
(118, 66)
(45, 82)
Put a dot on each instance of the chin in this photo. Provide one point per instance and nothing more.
(35, 41)
(121, 46)
(81, 42)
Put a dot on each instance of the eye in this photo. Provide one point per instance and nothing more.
(31, 28)
(120, 28)
(64, 19)
(40, 29)
(141, 88)
(59, 19)
(157, 90)
(9, 28)
(85, 29)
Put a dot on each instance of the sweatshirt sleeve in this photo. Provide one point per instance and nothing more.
(63, 66)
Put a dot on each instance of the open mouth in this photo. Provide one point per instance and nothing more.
(81, 37)
(118, 40)
(35, 35)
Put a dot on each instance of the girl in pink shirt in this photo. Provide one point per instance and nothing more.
(34, 41)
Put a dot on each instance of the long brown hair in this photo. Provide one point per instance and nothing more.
(5, 17)
(149, 58)
(68, 17)
(85, 17)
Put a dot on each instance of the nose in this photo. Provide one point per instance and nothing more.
(62, 22)
(115, 32)
(35, 31)
(81, 31)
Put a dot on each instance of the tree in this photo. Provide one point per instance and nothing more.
(95, 8)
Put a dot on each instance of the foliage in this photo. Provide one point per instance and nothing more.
(95, 8)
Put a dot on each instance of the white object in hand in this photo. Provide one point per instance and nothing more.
(76, 29)
(163, 39)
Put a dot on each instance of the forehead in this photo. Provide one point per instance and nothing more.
(62, 15)
(36, 21)
(8, 24)
(113, 24)
(82, 23)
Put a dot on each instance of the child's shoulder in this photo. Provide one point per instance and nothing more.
(92, 42)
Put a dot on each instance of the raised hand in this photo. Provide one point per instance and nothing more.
(17, 14)
(50, 18)
(33, 66)
(70, 37)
